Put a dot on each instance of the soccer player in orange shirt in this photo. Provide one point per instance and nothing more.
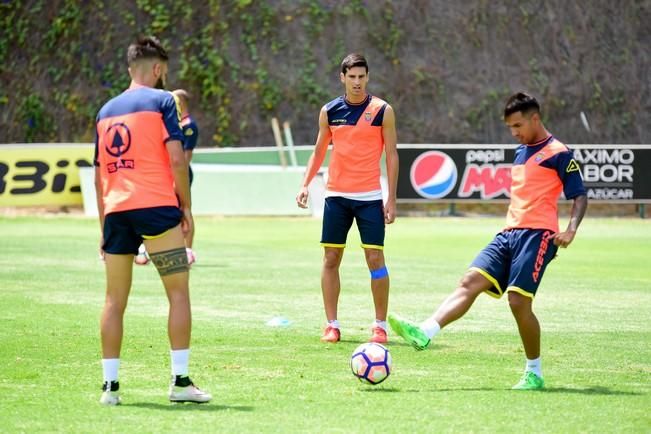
(141, 178)
(361, 127)
(514, 262)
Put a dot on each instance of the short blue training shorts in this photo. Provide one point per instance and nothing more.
(515, 260)
(125, 230)
(338, 216)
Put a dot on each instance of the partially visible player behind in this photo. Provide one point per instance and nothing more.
(141, 178)
(190, 138)
(516, 259)
(361, 127)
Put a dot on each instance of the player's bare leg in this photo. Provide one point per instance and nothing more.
(454, 307)
(169, 256)
(529, 328)
(330, 288)
(118, 285)
(379, 287)
(330, 283)
(528, 325)
(380, 290)
(462, 298)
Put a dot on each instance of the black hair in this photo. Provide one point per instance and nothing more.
(521, 102)
(353, 60)
(146, 47)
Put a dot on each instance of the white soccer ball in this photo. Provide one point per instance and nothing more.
(371, 363)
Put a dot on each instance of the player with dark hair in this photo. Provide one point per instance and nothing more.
(141, 178)
(361, 127)
(516, 259)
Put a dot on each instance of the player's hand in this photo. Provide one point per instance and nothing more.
(390, 212)
(563, 239)
(187, 221)
(301, 197)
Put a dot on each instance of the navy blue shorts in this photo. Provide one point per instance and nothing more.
(338, 216)
(515, 260)
(125, 230)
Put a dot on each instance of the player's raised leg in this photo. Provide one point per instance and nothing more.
(118, 285)
(168, 254)
(454, 307)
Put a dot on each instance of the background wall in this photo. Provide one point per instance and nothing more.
(446, 67)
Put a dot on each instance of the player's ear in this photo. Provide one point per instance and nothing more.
(342, 77)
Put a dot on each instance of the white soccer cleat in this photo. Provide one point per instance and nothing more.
(110, 395)
(190, 393)
(110, 398)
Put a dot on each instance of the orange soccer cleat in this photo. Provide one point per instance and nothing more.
(331, 334)
(379, 336)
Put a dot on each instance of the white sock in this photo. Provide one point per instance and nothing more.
(180, 361)
(381, 324)
(534, 366)
(333, 323)
(110, 369)
(430, 327)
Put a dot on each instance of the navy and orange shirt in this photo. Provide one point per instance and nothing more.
(357, 144)
(190, 133)
(130, 149)
(540, 172)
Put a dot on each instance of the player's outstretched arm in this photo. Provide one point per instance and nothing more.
(391, 149)
(316, 159)
(564, 239)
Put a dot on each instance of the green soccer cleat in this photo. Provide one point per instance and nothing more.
(409, 332)
(529, 381)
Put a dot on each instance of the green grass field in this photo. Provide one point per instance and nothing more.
(594, 307)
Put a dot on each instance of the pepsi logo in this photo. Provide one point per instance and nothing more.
(433, 174)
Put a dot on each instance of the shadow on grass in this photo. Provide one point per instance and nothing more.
(598, 390)
(188, 406)
(372, 389)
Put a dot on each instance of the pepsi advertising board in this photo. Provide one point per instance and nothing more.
(611, 173)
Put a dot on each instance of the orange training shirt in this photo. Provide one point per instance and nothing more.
(130, 149)
(540, 172)
(357, 144)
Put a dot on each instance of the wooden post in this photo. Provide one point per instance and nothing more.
(279, 142)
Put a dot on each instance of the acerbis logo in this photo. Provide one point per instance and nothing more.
(433, 174)
(121, 140)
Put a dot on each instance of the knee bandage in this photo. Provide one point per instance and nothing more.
(379, 273)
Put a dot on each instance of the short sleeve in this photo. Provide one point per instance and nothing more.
(191, 136)
(570, 174)
(171, 118)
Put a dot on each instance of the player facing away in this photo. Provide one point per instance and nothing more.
(141, 178)
(190, 138)
(360, 127)
(514, 262)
